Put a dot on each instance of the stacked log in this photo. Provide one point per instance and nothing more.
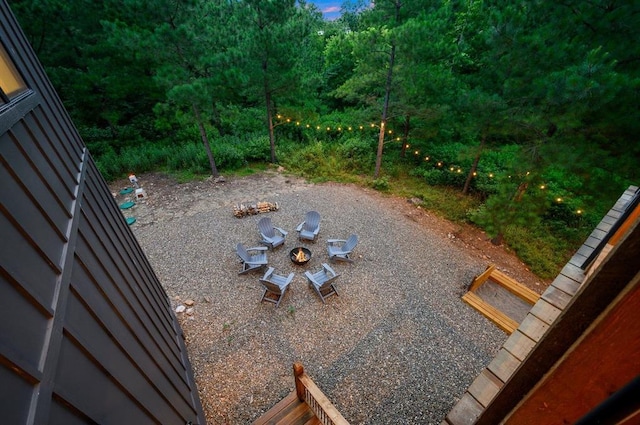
(243, 210)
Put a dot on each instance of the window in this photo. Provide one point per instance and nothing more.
(11, 83)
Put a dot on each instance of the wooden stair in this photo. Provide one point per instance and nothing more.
(307, 405)
(503, 321)
(290, 411)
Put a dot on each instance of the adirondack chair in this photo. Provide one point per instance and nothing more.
(309, 228)
(340, 249)
(271, 236)
(251, 258)
(274, 286)
(323, 281)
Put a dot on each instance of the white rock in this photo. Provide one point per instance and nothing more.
(180, 309)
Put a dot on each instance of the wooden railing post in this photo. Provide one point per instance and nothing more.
(298, 370)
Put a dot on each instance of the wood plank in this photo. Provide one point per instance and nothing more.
(290, 410)
(533, 327)
(545, 311)
(566, 284)
(325, 404)
(519, 345)
(482, 277)
(556, 297)
(465, 412)
(485, 387)
(503, 365)
(503, 321)
(514, 287)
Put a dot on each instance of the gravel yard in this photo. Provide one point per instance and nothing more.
(396, 346)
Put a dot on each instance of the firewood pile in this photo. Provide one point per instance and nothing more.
(243, 210)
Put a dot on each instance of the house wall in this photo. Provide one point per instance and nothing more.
(87, 333)
(574, 302)
(598, 365)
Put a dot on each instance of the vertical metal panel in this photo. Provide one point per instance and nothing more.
(15, 393)
(87, 334)
(23, 328)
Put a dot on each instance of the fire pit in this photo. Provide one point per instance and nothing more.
(300, 255)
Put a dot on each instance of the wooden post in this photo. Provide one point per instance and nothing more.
(298, 370)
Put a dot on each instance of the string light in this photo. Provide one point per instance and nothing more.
(405, 145)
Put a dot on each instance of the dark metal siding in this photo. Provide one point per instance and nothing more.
(87, 334)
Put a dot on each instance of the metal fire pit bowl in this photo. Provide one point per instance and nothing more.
(295, 251)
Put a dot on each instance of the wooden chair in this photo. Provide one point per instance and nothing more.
(251, 258)
(274, 286)
(271, 236)
(340, 249)
(310, 227)
(323, 281)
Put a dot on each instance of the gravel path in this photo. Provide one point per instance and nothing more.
(396, 346)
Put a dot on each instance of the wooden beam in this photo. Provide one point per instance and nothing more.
(503, 321)
(482, 277)
(514, 287)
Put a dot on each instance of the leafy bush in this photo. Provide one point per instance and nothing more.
(227, 156)
(254, 147)
(189, 157)
(381, 184)
(357, 153)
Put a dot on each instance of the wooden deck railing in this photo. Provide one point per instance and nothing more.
(319, 404)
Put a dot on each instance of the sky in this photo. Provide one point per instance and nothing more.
(330, 9)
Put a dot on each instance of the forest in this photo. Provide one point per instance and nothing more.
(520, 117)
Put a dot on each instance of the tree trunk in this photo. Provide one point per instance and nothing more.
(267, 101)
(474, 167)
(407, 120)
(387, 94)
(205, 141)
(385, 109)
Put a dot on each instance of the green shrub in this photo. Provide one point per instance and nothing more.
(227, 157)
(357, 153)
(254, 147)
(189, 157)
(381, 184)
